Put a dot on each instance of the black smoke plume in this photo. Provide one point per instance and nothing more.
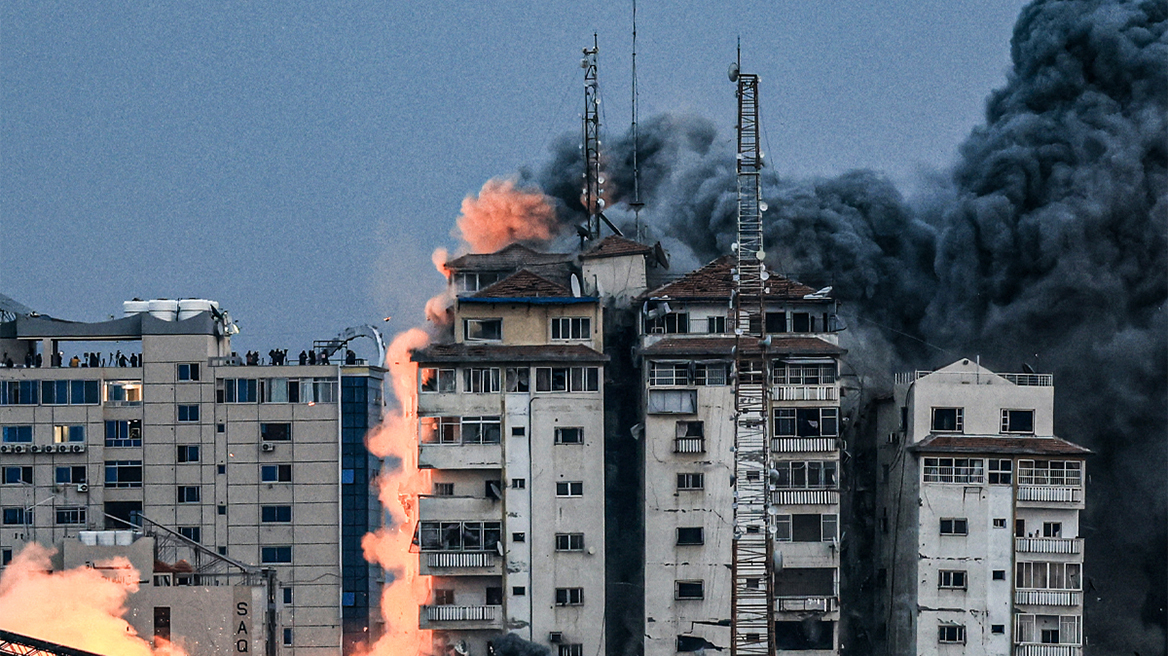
(1046, 244)
(511, 644)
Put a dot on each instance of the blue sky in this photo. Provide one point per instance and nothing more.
(298, 162)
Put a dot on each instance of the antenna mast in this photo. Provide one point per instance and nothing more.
(593, 203)
(752, 599)
(636, 204)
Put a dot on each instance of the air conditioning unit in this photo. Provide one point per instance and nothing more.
(5, 449)
(36, 448)
(83, 487)
(135, 433)
(268, 446)
(78, 448)
(49, 448)
(19, 448)
(556, 637)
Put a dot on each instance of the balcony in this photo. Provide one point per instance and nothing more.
(806, 393)
(1050, 493)
(806, 604)
(460, 456)
(803, 444)
(1033, 649)
(1046, 598)
(1048, 545)
(463, 508)
(460, 563)
(461, 618)
(689, 445)
(805, 497)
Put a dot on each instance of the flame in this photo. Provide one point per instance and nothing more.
(397, 437)
(79, 608)
(502, 215)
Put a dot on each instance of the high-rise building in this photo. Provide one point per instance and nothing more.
(152, 415)
(979, 519)
(511, 412)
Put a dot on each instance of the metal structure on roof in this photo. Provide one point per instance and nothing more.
(592, 197)
(752, 599)
(15, 644)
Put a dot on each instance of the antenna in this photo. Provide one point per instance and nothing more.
(636, 204)
(592, 193)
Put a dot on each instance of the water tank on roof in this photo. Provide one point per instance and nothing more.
(162, 308)
(189, 307)
(130, 308)
(123, 538)
(87, 537)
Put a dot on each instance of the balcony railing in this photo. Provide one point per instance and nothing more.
(1050, 493)
(806, 604)
(460, 559)
(689, 445)
(462, 613)
(1046, 597)
(1025, 380)
(1048, 545)
(1050, 477)
(806, 393)
(1033, 649)
(803, 444)
(805, 497)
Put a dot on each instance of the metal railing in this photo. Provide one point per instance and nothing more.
(1054, 477)
(460, 559)
(1050, 493)
(803, 444)
(806, 604)
(1034, 649)
(1048, 545)
(1023, 380)
(1046, 597)
(806, 393)
(805, 497)
(689, 445)
(462, 613)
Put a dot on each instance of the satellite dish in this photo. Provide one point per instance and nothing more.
(761, 255)
(762, 206)
(660, 256)
(777, 560)
(460, 648)
(496, 492)
(733, 72)
(765, 275)
(575, 286)
(499, 549)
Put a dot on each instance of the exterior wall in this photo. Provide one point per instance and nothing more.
(530, 324)
(619, 278)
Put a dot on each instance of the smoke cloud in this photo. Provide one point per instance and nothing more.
(78, 608)
(502, 214)
(1044, 244)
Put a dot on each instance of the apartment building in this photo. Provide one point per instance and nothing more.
(255, 463)
(511, 412)
(979, 521)
(688, 357)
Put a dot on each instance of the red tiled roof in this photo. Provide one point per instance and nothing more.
(614, 246)
(510, 258)
(678, 346)
(479, 352)
(714, 280)
(996, 444)
(524, 284)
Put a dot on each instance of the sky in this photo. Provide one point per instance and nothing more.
(299, 161)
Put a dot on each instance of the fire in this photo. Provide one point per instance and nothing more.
(79, 608)
(503, 214)
(397, 437)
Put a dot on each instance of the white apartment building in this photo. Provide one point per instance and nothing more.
(979, 525)
(256, 463)
(511, 413)
(689, 433)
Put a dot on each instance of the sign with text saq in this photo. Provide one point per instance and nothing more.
(247, 614)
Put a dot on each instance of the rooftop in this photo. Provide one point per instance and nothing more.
(479, 352)
(714, 281)
(997, 444)
(509, 258)
(614, 246)
(525, 287)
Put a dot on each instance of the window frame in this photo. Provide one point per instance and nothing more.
(1008, 418)
(187, 372)
(951, 634)
(958, 526)
(696, 594)
(691, 481)
(441, 381)
(482, 324)
(569, 489)
(578, 329)
(690, 541)
(959, 420)
(563, 435)
(952, 579)
(569, 597)
(569, 542)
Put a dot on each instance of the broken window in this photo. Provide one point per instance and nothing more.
(437, 380)
(806, 422)
(805, 582)
(690, 535)
(683, 402)
(689, 437)
(569, 436)
(567, 379)
(469, 281)
(441, 430)
(481, 430)
(518, 379)
(689, 590)
(482, 330)
(480, 380)
(669, 323)
(805, 634)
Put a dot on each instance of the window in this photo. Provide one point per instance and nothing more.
(188, 413)
(1048, 576)
(5, 557)
(124, 392)
(955, 526)
(672, 402)
(123, 473)
(999, 575)
(570, 650)
(572, 328)
(951, 579)
(710, 374)
(1017, 421)
(71, 475)
(276, 473)
(441, 430)
(517, 379)
(494, 596)
(805, 582)
(999, 522)
(689, 437)
(188, 371)
(276, 554)
(68, 392)
(477, 380)
(519, 483)
(998, 628)
(17, 475)
(807, 527)
(18, 392)
(691, 535)
(1048, 629)
(438, 380)
(62, 434)
(17, 516)
(567, 379)
(443, 489)
(240, 390)
(669, 323)
(806, 422)
(1052, 529)
(459, 536)
(287, 637)
(691, 481)
(1050, 472)
(470, 281)
(481, 430)
(519, 591)
(188, 453)
(275, 514)
(569, 596)
(287, 595)
(276, 432)
(949, 420)
(569, 489)
(804, 374)
(715, 325)
(519, 537)
(999, 471)
(954, 470)
(569, 542)
(123, 433)
(482, 330)
(817, 474)
(17, 434)
(668, 373)
(569, 436)
(951, 633)
(689, 590)
(192, 533)
(189, 494)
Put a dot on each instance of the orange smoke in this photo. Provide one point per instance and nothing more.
(78, 608)
(397, 437)
(502, 214)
